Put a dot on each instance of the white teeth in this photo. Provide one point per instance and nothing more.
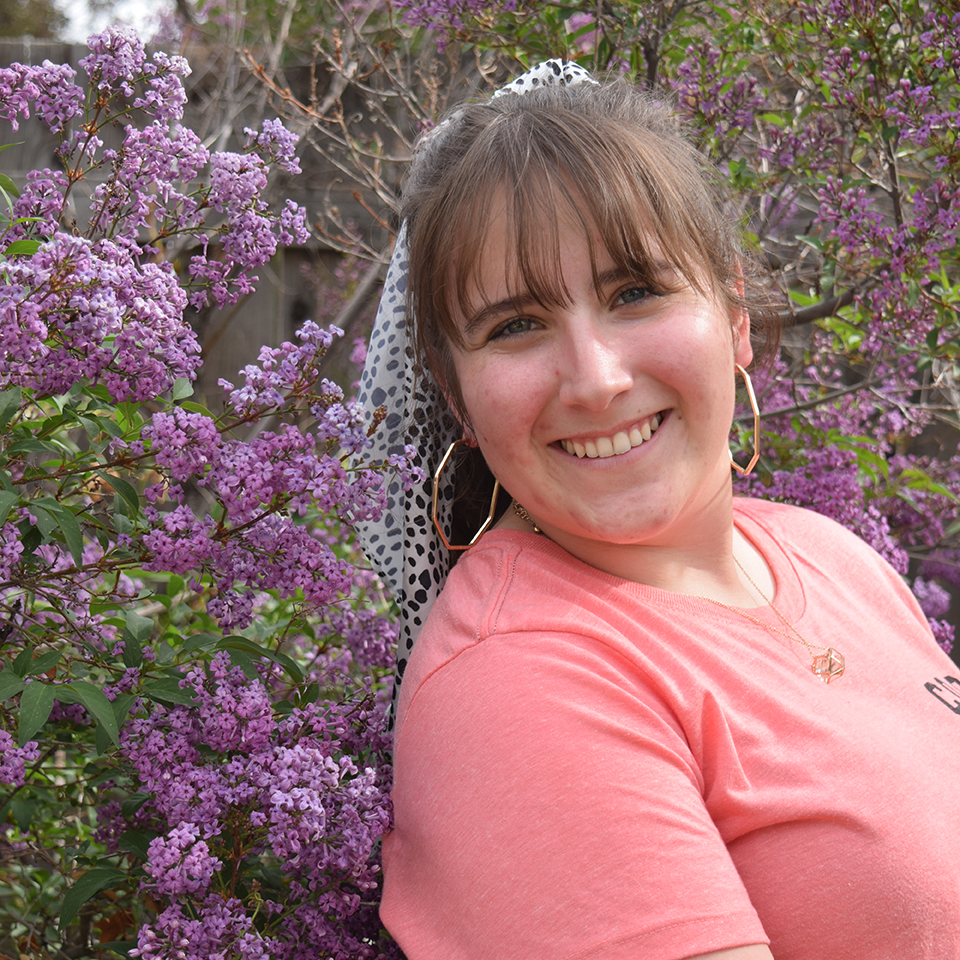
(604, 447)
(619, 443)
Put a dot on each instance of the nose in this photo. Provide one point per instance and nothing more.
(594, 369)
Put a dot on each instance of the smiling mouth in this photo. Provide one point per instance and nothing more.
(622, 442)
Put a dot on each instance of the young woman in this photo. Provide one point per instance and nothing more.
(644, 719)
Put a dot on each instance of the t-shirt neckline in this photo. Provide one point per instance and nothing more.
(789, 597)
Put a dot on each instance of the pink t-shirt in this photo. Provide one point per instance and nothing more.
(592, 768)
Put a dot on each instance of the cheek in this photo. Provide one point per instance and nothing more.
(501, 404)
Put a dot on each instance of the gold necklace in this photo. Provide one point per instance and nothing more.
(523, 515)
(826, 666)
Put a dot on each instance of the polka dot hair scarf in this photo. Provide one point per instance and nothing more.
(403, 545)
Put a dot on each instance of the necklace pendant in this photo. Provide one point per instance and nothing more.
(828, 666)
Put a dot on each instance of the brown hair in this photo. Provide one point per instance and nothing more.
(605, 156)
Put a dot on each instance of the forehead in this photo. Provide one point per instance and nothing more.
(534, 251)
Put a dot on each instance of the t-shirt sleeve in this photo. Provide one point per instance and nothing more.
(547, 805)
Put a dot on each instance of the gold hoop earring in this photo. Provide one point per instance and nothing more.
(436, 495)
(744, 471)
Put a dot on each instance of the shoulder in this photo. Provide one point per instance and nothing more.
(503, 564)
(827, 556)
(803, 529)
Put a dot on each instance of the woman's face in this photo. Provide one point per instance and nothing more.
(543, 385)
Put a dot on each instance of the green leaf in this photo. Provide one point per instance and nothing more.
(168, 691)
(197, 642)
(23, 661)
(101, 740)
(182, 388)
(10, 685)
(23, 811)
(138, 627)
(124, 489)
(137, 630)
(43, 663)
(193, 407)
(7, 500)
(9, 404)
(36, 702)
(91, 697)
(132, 651)
(6, 184)
(108, 426)
(31, 538)
(121, 706)
(121, 948)
(133, 803)
(88, 886)
(72, 534)
(22, 248)
(248, 646)
(32, 446)
(134, 842)
(811, 242)
(46, 522)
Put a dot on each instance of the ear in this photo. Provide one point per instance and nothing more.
(742, 347)
(740, 323)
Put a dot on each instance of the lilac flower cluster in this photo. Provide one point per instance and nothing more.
(14, 759)
(11, 549)
(215, 928)
(79, 310)
(49, 89)
(277, 142)
(281, 371)
(263, 484)
(150, 195)
(448, 17)
(707, 94)
(180, 863)
(232, 788)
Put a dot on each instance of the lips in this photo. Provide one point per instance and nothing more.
(621, 442)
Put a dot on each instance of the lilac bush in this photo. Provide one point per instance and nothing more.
(193, 663)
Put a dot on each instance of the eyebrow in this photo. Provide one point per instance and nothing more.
(526, 299)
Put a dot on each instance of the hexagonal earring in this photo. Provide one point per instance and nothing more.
(436, 495)
(744, 471)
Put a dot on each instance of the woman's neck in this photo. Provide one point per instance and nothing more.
(706, 557)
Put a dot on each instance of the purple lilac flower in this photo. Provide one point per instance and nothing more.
(279, 143)
(116, 60)
(49, 88)
(14, 759)
(78, 309)
(944, 633)
(705, 92)
(933, 599)
(180, 863)
(288, 789)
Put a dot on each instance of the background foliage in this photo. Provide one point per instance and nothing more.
(194, 761)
